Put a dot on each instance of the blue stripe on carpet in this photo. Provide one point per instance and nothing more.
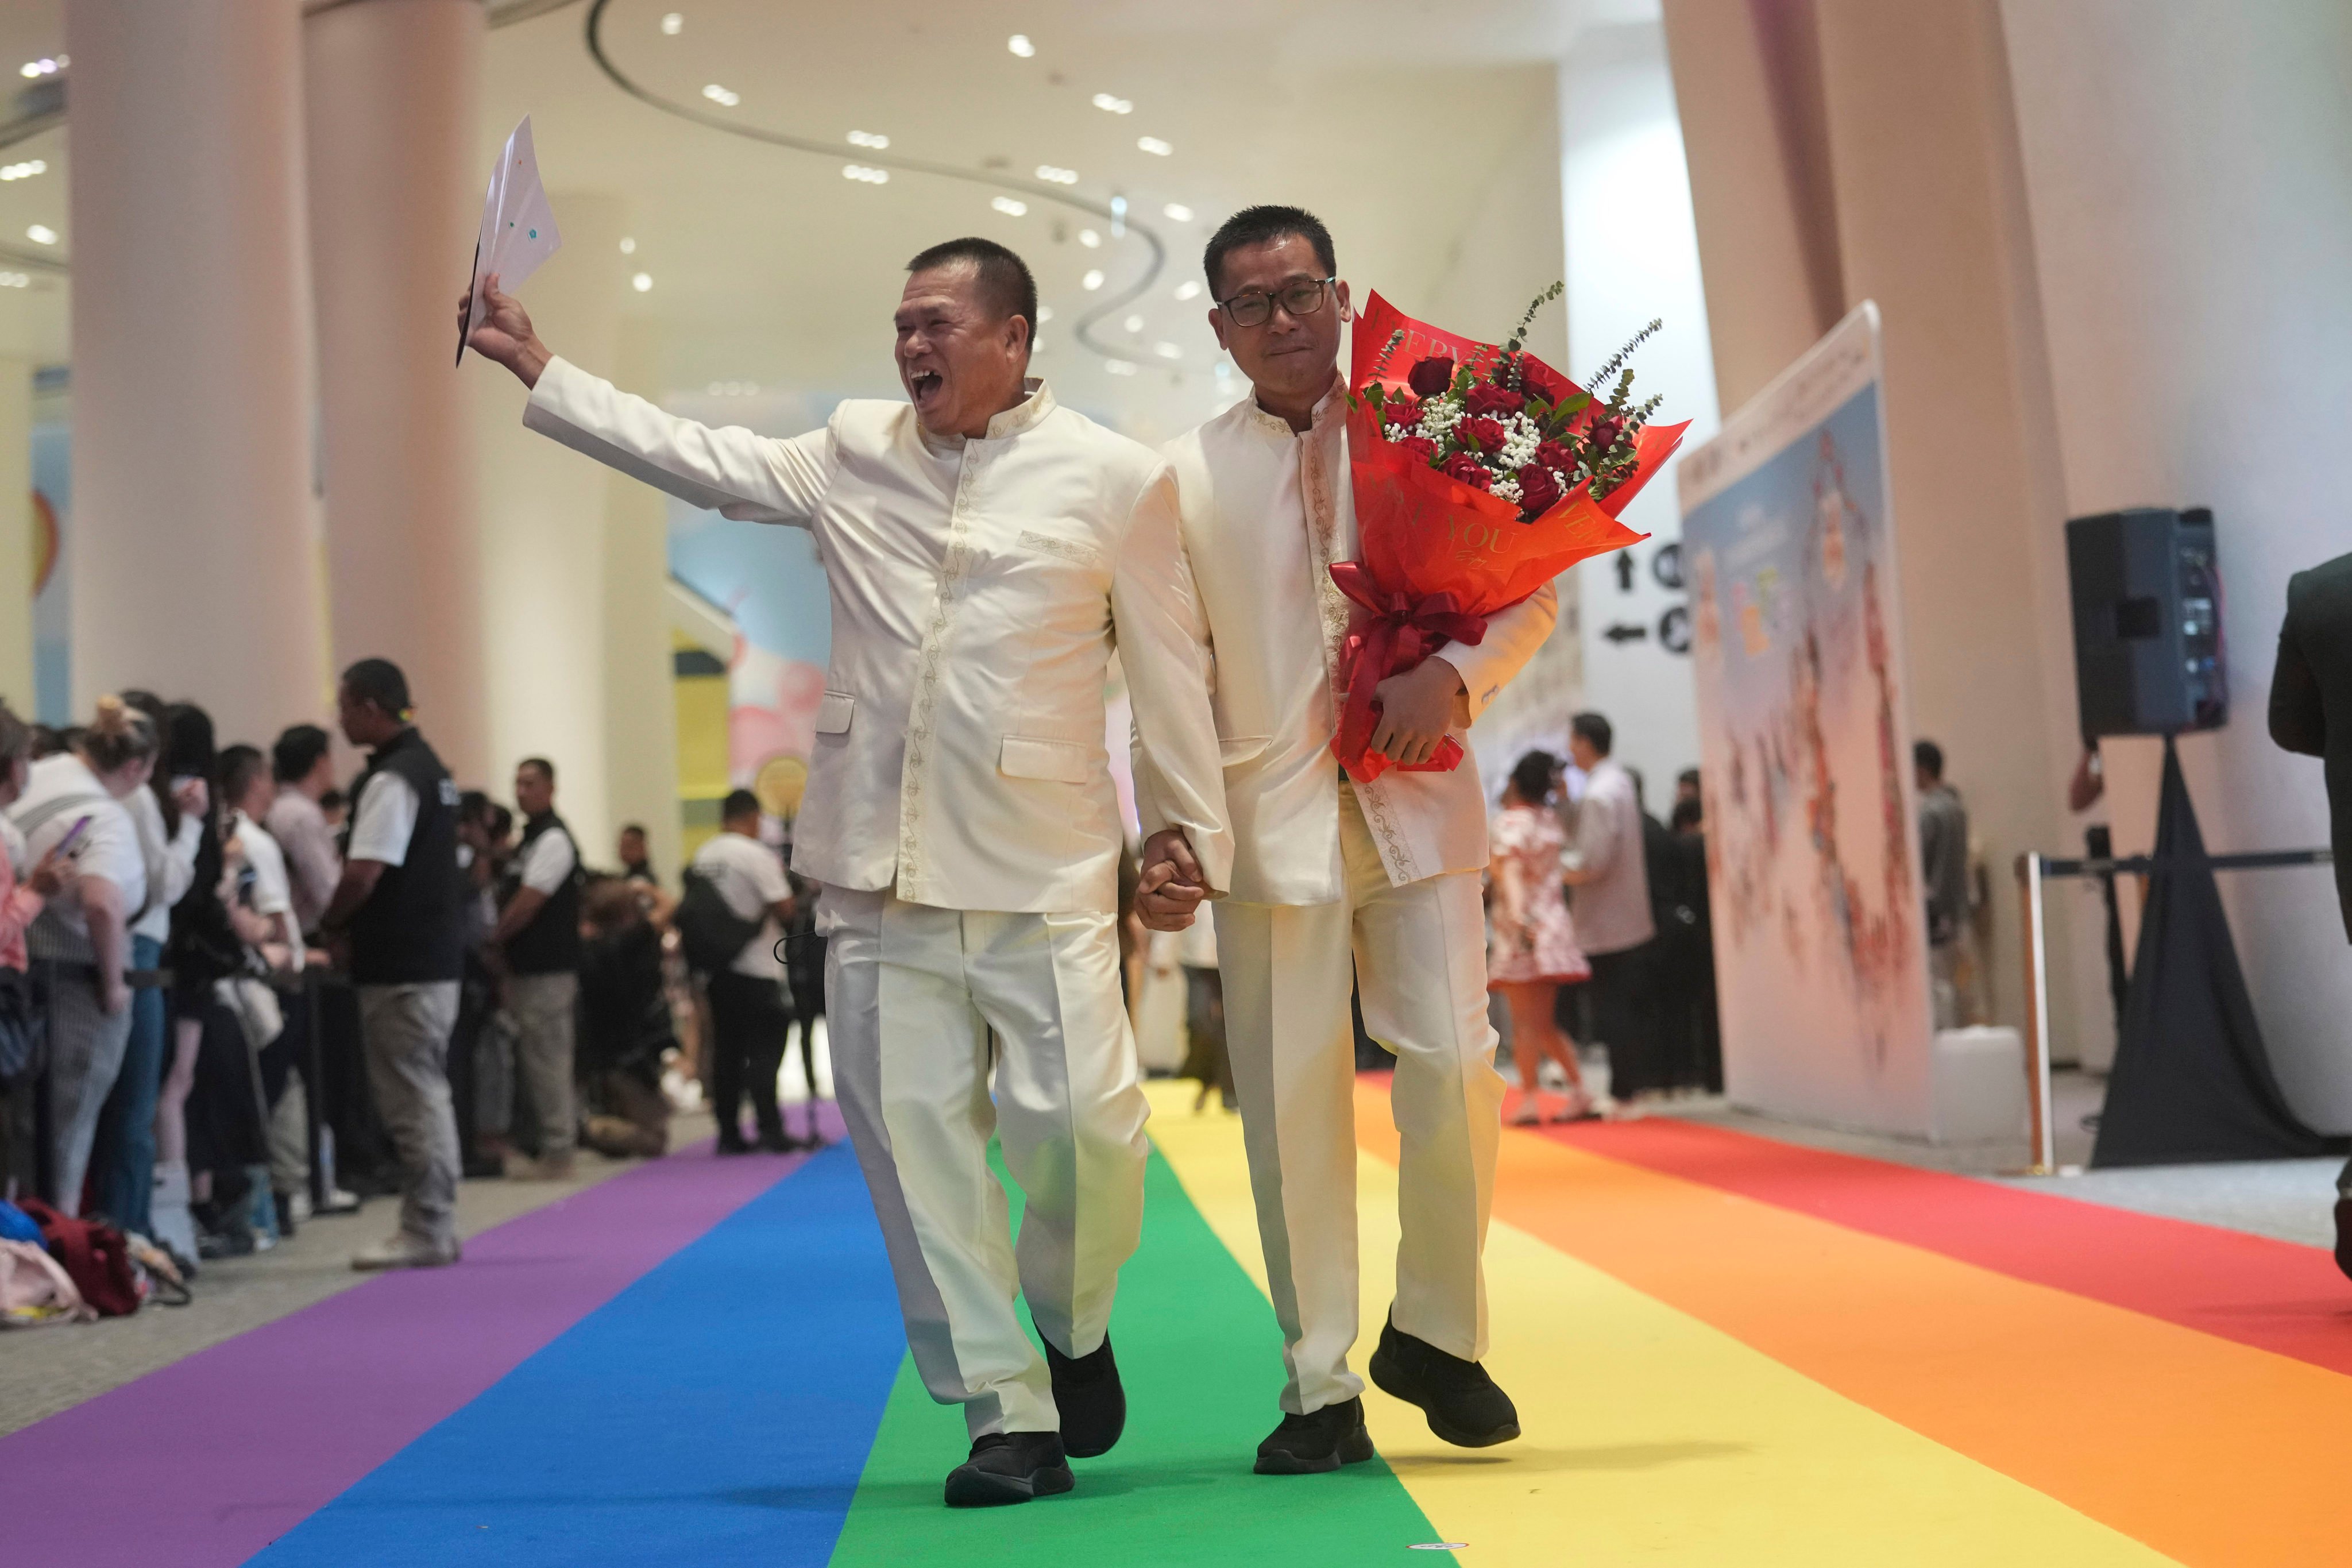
(718, 1411)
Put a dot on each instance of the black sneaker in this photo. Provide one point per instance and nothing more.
(1462, 1403)
(1092, 1401)
(779, 1142)
(1010, 1466)
(2344, 1233)
(1316, 1443)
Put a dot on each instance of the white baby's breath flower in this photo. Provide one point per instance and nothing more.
(1506, 488)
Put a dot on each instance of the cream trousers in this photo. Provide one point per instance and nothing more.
(1419, 955)
(924, 1005)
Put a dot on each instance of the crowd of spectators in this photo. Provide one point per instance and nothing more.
(233, 998)
(1599, 933)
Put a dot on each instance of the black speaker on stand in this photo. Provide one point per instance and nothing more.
(2191, 1080)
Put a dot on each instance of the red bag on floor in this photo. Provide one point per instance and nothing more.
(96, 1256)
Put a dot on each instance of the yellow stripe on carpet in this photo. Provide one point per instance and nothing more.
(1650, 1438)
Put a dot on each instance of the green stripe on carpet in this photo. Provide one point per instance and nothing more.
(1202, 1357)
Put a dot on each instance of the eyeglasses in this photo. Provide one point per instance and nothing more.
(1254, 307)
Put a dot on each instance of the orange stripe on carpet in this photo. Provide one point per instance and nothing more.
(2208, 1450)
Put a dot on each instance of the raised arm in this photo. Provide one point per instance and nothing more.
(730, 470)
(1163, 641)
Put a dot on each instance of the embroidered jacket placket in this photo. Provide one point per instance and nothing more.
(954, 568)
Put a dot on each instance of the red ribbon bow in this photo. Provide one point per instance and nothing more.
(1395, 633)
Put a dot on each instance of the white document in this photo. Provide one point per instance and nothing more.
(517, 230)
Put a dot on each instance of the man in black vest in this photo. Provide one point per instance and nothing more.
(2311, 711)
(396, 911)
(536, 948)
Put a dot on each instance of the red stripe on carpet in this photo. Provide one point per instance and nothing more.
(2272, 1295)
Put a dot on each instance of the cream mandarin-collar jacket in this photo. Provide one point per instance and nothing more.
(978, 589)
(1265, 512)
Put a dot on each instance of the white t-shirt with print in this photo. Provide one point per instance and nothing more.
(109, 849)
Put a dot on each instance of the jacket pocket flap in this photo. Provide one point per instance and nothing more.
(1066, 762)
(834, 713)
(1236, 750)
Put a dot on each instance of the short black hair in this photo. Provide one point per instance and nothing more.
(1929, 757)
(1687, 777)
(739, 803)
(541, 763)
(1687, 814)
(1595, 731)
(1006, 284)
(297, 751)
(636, 827)
(239, 766)
(379, 680)
(1531, 776)
(1263, 226)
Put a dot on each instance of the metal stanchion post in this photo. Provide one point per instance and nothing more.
(2037, 1018)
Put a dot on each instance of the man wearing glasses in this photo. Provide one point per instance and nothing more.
(982, 547)
(1332, 876)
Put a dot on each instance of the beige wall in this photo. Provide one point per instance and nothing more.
(544, 511)
(641, 716)
(16, 533)
(1925, 213)
(2189, 171)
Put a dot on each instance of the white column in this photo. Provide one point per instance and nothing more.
(544, 520)
(196, 568)
(396, 169)
(1633, 255)
(2189, 173)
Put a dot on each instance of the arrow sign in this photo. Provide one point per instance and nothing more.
(1625, 571)
(1621, 632)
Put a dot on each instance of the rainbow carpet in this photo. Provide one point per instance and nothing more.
(1726, 1350)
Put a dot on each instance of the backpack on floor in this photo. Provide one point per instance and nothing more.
(96, 1255)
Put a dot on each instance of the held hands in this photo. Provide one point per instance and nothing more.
(504, 332)
(1174, 886)
(1416, 707)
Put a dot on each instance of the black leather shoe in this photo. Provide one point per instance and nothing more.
(2344, 1235)
(1010, 1466)
(1462, 1403)
(1092, 1401)
(1316, 1443)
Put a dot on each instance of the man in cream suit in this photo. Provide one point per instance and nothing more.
(1327, 872)
(984, 548)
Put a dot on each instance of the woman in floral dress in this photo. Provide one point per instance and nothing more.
(1533, 951)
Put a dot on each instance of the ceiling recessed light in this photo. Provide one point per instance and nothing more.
(1056, 176)
(672, 25)
(642, 281)
(868, 139)
(865, 175)
(1167, 351)
(15, 280)
(45, 66)
(1089, 239)
(1188, 289)
(1008, 206)
(1045, 314)
(1120, 366)
(1177, 212)
(1020, 45)
(23, 171)
(628, 245)
(1092, 281)
(722, 97)
(1153, 145)
(1133, 323)
(41, 234)
(1113, 104)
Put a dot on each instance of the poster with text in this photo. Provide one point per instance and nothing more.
(1805, 741)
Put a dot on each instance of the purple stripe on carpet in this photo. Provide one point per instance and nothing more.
(205, 1462)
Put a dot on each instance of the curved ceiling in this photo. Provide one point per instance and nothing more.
(1387, 117)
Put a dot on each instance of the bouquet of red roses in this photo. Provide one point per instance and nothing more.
(1480, 475)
